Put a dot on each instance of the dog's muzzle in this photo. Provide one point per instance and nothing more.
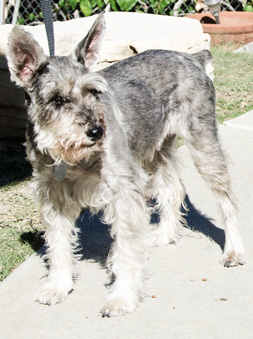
(95, 133)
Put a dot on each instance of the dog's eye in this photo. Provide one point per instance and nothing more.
(60, 101)
(94, 92)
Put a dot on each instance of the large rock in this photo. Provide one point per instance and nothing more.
(126, 34)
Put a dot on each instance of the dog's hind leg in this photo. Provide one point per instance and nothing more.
(212, 165)
(169, 193)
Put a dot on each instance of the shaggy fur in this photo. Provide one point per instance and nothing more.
(104, 140)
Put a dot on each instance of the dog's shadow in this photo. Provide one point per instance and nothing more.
(95, 240)
(198, 222)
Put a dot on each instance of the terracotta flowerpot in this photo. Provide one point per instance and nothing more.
(234, 26)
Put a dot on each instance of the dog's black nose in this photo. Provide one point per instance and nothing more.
(95, 133)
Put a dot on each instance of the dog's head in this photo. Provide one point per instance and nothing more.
(64, 103)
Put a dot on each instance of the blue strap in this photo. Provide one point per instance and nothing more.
(46, 7)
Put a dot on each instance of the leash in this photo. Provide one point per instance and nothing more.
(60, 169)
(46, 7)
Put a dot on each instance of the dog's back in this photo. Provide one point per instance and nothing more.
(157, 85)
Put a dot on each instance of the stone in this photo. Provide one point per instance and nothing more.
(126, 34)
(248, 48)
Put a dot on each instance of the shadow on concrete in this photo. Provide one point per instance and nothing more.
(95, 240)
(198, 222)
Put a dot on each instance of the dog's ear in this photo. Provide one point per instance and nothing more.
(88, 49)
(25, 56)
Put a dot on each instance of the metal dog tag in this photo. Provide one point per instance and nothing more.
(59, 171)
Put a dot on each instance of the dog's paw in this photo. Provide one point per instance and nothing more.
(51, 294)
(160, 237)
(232, 258)
(116, 307)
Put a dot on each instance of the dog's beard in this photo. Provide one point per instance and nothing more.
(74, 152)
(71, 147)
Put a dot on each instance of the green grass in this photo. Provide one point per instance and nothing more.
(20, 224)
(233, 82)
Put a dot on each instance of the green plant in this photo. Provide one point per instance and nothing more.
(85, 6)
(30, 10)
(67, 9)
(248, 6)
(88, 7)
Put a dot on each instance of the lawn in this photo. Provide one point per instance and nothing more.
(20, 224)
(233, 82)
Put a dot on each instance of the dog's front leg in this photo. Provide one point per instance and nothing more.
(127, 257)
(60, 238)
(126, 211)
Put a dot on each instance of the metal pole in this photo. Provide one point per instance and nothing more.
(15, 13)
(2, 12)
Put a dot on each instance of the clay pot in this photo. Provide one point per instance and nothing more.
(234, 26)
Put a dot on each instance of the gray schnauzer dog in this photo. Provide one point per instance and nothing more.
(104, 140)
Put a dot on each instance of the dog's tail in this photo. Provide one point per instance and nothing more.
(204, 57)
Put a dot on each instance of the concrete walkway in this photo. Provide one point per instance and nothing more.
(196, 298)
